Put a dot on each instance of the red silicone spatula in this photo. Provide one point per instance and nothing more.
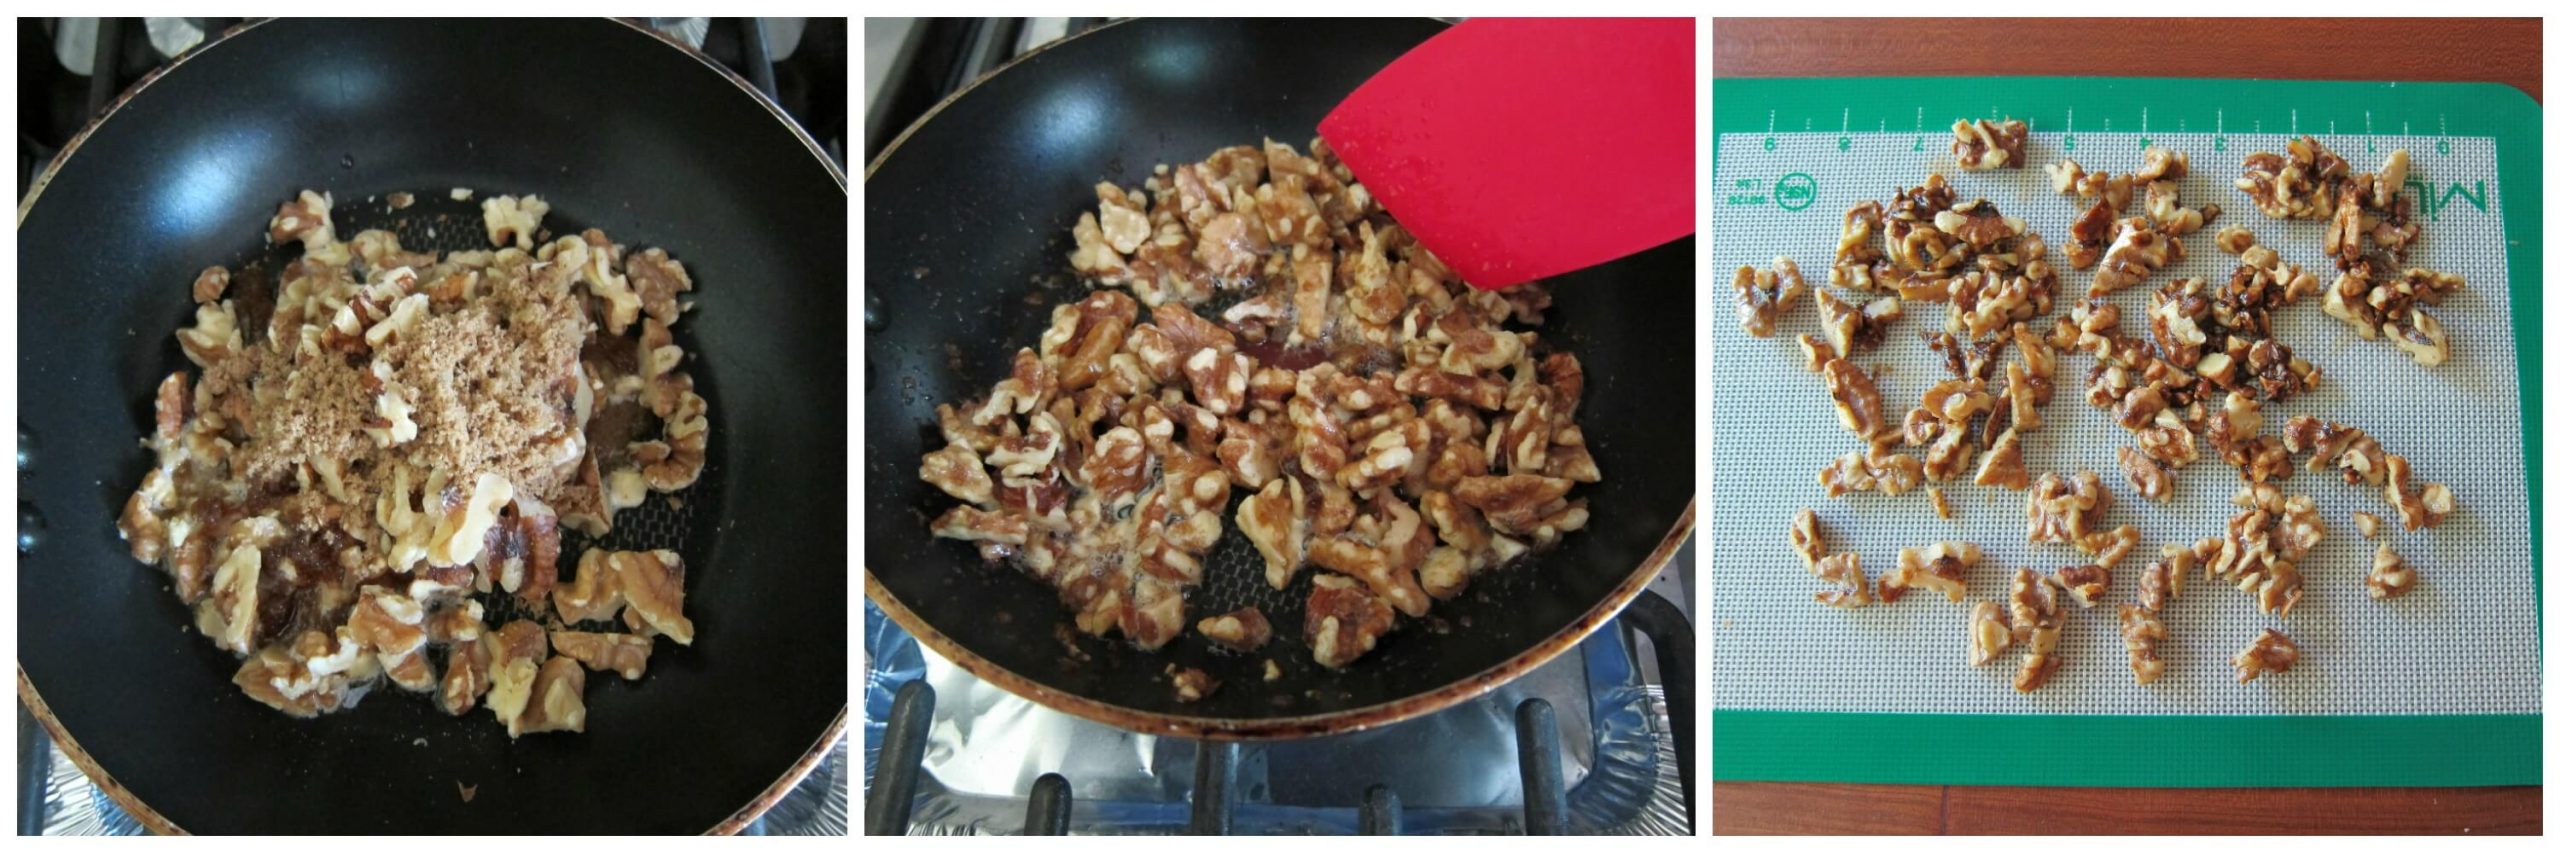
(1517, 149)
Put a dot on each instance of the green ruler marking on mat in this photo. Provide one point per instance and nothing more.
(2166, 750)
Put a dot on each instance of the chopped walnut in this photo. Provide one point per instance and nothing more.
(2394, 309)
(1842, 570)
(1817, 353)
(2166, 578)
(2143, 632)
(2272, 652)
(1855, 398)
(1990, 144)
(1938, 502)
(2262, 543)
(2109, 547)
(513, 220)
(1243, 630)
(2419, 504)
(1987, 632)
(2005, 465)
(2138, 250)
(1805, 536)
(2086, 584)
(1939, 567)
(623, 654)
(2234, 238)
(2061, 509)
(2149, 479)
(1762, 296)
(1189, 684)
(2391, 574)
(2301, 184)
(1875, 470)
(2035, 619)
(1343, 620)
(2367, 525)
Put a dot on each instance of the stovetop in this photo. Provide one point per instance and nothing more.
(986, 761)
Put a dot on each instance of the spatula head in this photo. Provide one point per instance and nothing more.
(1517, 149)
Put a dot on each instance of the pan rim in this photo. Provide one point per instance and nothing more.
(1305, 725)
(143, 812)
(1266, 728)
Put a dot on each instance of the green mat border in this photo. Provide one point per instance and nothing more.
(2165, 750)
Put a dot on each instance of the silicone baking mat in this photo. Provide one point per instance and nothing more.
(2442, 686)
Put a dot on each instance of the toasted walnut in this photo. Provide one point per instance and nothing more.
(2262, 543)
(464, 526)
(2149, 479)
(1938, 503)
(1875, 470)
(2419, 504)
(2005, 465)
(1855, 398)
(513, 220)
(2357, 456)
(959, 472)
(1343, 620)
(2109, 547)
(2367, 525)
(2391, 574)
(1939, 567)
(2300, 184)
(1984, 303)
(1805, 535)
(1842, 570)
(2143, 633)
(2035, 619)
(2168, 440)
(2061, 509)
(1817, 353)
(595, 594)
(2086, 584)
(1190, 684)
(2234, 238)
(2138, 250)
(215, 337)
(1854, 263)
(1242, 630)
(1987, 632)
(1762, 296)
(2272, 652)
(623, 654)
(1990, 144)
(652, 586)
(2166, 578)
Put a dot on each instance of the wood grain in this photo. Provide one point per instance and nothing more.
(2248, 811)
(2496, 50)
(1806, 808)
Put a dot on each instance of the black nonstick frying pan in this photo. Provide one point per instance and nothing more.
(618, 129)
(966, 238)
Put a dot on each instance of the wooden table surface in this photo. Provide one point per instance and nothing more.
(2503, 51)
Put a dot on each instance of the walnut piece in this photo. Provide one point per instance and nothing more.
(1875, 470)
(2166, 578)
(2391, 574)
(1987, 633)
(2086, 584)
(1805, 535)
(1761, 296)
(1990, 144)
(1938, 503)
(2065, 509)
(1939, 567)
(2035, 619)
(2367, 526)
(624, 654)
(1855, 398)
(1842, 571)
(2271, 652)
(2143, 632)
(1242, 630)
(2149, 479)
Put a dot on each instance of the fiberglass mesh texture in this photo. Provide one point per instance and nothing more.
(2464, 640)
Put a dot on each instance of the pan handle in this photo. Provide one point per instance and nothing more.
(1674, 647)
(892, 797)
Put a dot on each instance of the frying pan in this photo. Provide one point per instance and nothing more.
(619, 130)
(966, 239)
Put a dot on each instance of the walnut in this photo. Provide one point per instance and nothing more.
(1847, 325)
(2061, 509)
(1855, 398)
(1990, 144)
(959, 472)
(1805, 535)
(2420, 336)
(2166, 578)
(2301, 184)
(1875, 470)
(1854, 262)
(2391, 574)
(557, 700)
(2036, 620)
(2160, 203)
(1242, 630)
(2143, 633)
(2262, 543)
(1988, 633)
(2148, 478)
(1842, 570)
(1938, 503)
(2234, 238)
(464, 525)
(1762, 296)
(2005, 465)
(2137, 251)
(514, 220)
(2272, 652)
(652, 587)
(1816, 353)
(595, 594)
(2357, 456)
(1985, 303)
(1343, 620)
(2419, 504)
(624, 654)
(1190, 684)
(2109, 547)
(2161, 164)
(1939, 567)
(2086, 584)
(2089, 235)
(2367, 525)
(215, 337)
